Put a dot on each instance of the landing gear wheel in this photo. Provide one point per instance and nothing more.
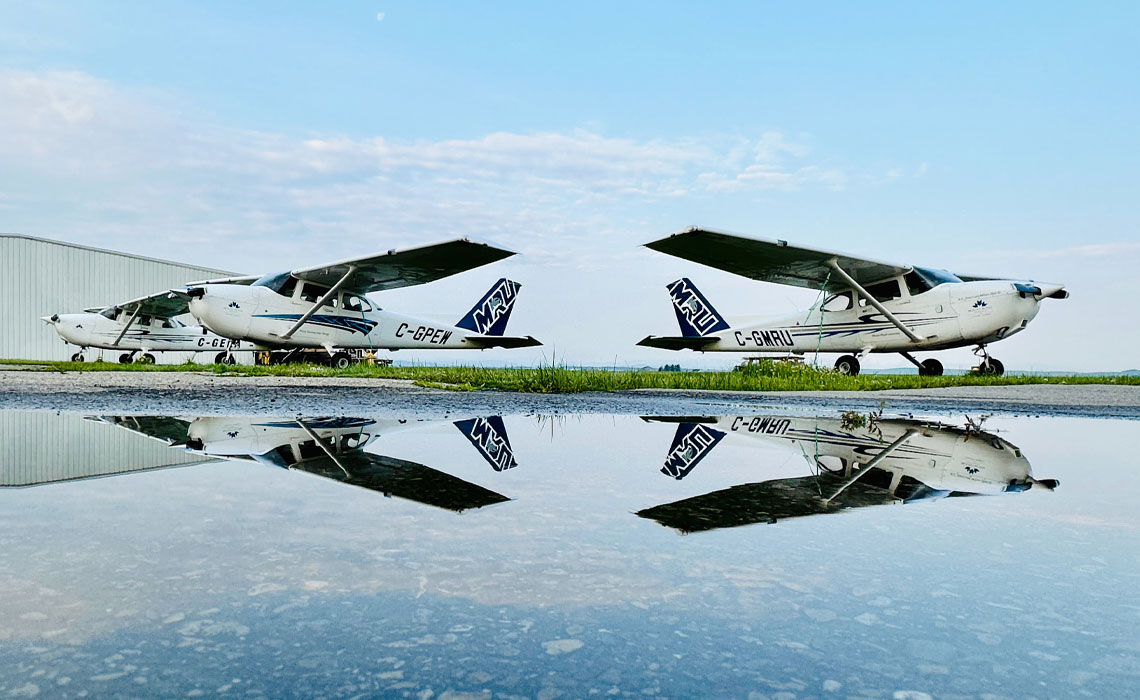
(224, 358)
(930, 368)
(848, 365)
(125, 358)
(991, 367)
(146, 359)
(341, 360)
(77, 357)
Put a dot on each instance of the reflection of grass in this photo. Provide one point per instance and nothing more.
(762, 376)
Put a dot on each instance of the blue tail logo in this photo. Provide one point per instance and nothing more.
(692, 443)
(489, 316)
(695, 314)
(489, 436)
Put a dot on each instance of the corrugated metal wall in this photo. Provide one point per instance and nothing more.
(39, 277)
(39, 447)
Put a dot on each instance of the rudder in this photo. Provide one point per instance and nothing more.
(695, 314)
(489, 316)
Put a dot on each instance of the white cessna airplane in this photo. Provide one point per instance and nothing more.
(877, 463)
(324, 306)
(145, 325)
(871, 306)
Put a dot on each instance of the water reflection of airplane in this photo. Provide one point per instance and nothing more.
(333, 447)
(878, 462)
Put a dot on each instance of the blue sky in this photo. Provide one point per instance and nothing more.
(983, 138)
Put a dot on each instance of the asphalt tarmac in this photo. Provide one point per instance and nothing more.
(209, 394)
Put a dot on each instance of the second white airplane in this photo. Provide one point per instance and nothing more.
(325, 306)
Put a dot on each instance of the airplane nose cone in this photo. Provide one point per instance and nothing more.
(52, 320)
(1053, 291)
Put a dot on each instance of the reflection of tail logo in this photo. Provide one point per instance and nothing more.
(498, 304)
(489, 436)
(691, 444)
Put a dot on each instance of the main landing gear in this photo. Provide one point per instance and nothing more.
(927, 368)
(847, 364)
(989, 366)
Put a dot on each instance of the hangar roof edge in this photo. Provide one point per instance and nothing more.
(211, 270)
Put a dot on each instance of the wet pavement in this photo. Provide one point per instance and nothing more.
(785, 552)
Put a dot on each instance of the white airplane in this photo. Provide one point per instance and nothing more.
(145, 325)
(871, 306)
(324, 306)
(880, 462)
(334, 448)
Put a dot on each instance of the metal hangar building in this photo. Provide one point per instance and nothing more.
(41, 277)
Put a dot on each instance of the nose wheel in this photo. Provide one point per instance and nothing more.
(77, 357)
(989, 366)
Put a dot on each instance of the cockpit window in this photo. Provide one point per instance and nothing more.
(936, 277)
(838, 302)
(110, 312)
(885, 291)
(915, 284)
(283, 283)
(143, 321)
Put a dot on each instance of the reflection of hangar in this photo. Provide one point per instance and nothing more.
(39, 277)
(39, 448)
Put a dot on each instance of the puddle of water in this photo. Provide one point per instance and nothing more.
(717, 556)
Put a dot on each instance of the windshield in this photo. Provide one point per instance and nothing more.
(282, 282)
(936, 277)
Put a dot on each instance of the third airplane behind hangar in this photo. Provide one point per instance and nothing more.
(871, 306)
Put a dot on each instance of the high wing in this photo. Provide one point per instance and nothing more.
(772, 260)
(239, 279)
(164, 304)
(406, 267)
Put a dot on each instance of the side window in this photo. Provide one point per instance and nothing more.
(838, 302)
(143, 321)
(355, 303)
(883, 291)
(312, 292)
(166, 323)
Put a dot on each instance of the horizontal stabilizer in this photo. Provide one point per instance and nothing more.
(677, 343)
(502, 341)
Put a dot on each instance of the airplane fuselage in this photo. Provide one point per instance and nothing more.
(262, 316)
(941, 457)
(948, 316)
(94, 330)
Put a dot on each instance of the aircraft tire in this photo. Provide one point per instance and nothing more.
(146, 359)
(125, 358)
(992, 367)
(930, 368)
(223, 358)
(341, 360)
(77, 357)
(847, 364)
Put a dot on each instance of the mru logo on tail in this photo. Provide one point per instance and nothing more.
(695, 314)
(692, 443)
(489, 436)
(489, 316)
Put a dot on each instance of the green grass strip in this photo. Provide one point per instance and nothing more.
(551, 379)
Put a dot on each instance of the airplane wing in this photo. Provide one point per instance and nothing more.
(771, 260)
(241, 279)
(406, 267)
(164, 304)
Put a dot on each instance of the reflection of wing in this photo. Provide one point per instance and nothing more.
(771, 260)
(403, 479)
(407, 267)
(766, 502)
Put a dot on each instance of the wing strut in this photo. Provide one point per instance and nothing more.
(320, 302)
(138, 309)
(872, 300)
(874, 460)
(317, 439)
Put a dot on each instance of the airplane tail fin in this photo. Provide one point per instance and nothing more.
(695, 314)
(489, 436)
(489, 316)
(691, 443)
